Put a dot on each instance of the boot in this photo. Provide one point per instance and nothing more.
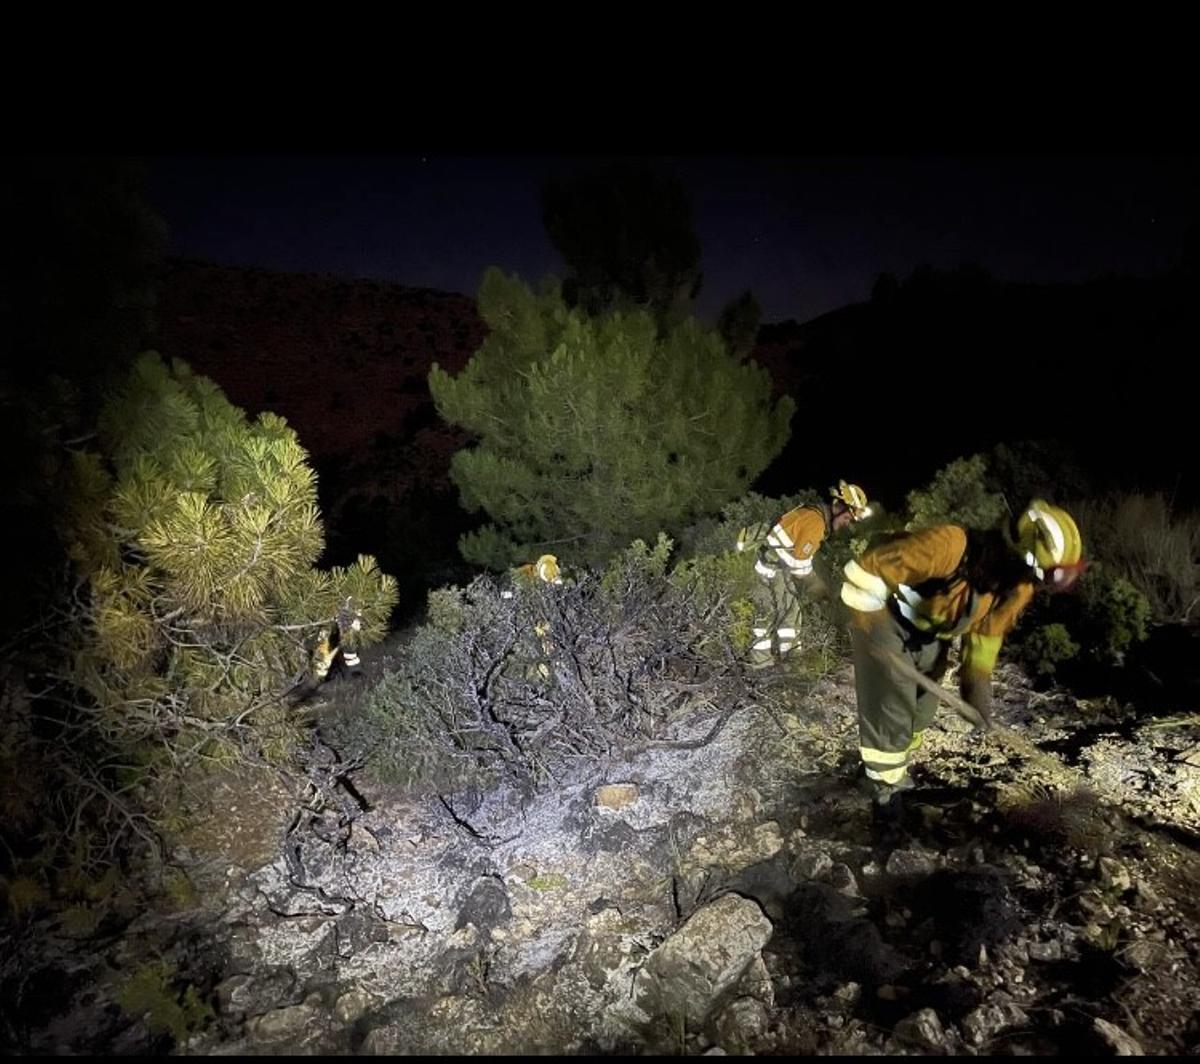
(881, 793)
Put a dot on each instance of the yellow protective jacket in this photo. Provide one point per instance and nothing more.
(793, 541)
(918, 576)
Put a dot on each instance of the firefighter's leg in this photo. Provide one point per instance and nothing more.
(787, 631)
(932, 659)
(350, 654)
(887, 706)
(762, 638)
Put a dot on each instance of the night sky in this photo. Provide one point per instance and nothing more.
(806, 235)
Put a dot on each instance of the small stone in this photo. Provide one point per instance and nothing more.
(910, 863)
(352, 1005)
(1122, 1044)
(617, 795)
(842, 880)
(811, 865)
(923, 1029)
(1147, 896)
(1046, 951)
(1144, 954)
(464, 937)
(1114, 874)
(985, 1022)
(523, 871)
(848, 993)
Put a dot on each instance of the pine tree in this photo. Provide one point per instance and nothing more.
(593, 432)
(739, 322)
(195, 531)
(626, 235)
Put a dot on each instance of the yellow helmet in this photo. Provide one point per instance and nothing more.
(1049, 541)
(547, 569)
(854, 498)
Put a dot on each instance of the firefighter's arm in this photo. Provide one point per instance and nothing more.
(981, 650)
(865, 594)
(975, 677)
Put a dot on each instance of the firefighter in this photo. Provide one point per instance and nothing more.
(546, 570)
(913, 595)
(785, 566)
(337, 646)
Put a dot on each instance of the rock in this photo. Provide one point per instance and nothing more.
(842, 880)
(871, 874)
(1113, 874)
(287, 1024)
(244, 951)
(361, 838)
(486, 906)
(255, 994)
(1122, 1044)
(523, 871)
(353, 1005)
(811, 865)
(912, 863)
(1144, 954)
(747, 805)
(848, 994)
(600, 950)
(922, 1030)
(740, 1025)
(616, 796)
(463, 938)
(756, 983)
(693, 969)
(984, 1023)
(1147, 898)
(357, 930)
(1046, 951)
(385, 1042)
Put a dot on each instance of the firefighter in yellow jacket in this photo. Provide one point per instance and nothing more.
(339, 643)
(785, 566)
(911, 596)
(546, 570)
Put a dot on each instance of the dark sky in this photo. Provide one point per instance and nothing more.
(806, 235)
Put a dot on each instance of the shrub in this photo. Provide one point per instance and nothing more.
(1154, 547)
(958, 494)
(591, 432)
(529, 687)
(194, 532)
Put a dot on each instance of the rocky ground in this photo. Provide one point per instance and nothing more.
(736, 898)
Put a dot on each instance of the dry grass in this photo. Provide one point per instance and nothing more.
(1156, 548)
(1073, 818)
